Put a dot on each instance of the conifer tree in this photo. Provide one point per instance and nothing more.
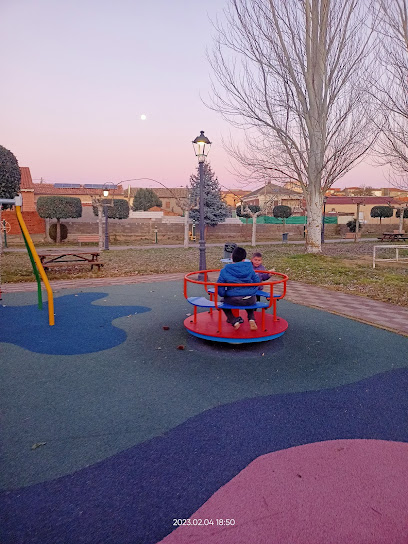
(215, 209)
(145, 199)
(10, 177)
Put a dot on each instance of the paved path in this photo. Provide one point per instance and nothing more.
(170, 246)
(373, 312)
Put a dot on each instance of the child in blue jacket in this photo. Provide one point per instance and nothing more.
(239, 271)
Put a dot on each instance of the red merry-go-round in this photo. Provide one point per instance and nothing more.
(211, 323)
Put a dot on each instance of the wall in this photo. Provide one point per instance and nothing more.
(142, 230)
(351, 209)
(34, 223)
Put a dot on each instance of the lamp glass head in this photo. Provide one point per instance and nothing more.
(201, 146)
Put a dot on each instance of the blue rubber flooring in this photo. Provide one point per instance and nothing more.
(132, 431)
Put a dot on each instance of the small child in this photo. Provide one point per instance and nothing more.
(239, 271)
(258, 267)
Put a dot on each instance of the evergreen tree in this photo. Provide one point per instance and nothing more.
(10, 175)
(215, 209)
(145, 199)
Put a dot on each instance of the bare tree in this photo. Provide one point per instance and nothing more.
(392, 90)
(292, 75)
(263, 210)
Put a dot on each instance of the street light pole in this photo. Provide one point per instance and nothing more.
(201, 243)
(108, 186)
(105, 208)
(324, 215)
(201, 146)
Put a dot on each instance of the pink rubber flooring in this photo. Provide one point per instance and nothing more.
(335, 492)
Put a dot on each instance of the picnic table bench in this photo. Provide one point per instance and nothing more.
(65, 260)
(393, 237)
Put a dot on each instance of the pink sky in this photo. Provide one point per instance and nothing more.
(80, 74)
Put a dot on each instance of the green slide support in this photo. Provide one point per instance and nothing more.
(37, 275)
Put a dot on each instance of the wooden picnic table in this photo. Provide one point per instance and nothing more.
(78, 258)
(393, 236)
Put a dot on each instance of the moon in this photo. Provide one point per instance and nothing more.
(143, 117)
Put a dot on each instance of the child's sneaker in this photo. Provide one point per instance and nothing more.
(252, 325)
(237, 325)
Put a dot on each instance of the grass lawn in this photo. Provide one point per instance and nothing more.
(342, 267)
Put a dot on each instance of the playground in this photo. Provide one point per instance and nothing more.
(133, 413)
(121, 427)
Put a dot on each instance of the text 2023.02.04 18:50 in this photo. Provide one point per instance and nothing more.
(198, 521)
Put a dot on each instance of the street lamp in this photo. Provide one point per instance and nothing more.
(324, 215)
(201, 146)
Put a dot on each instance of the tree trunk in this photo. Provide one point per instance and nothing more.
(100, 244)
(314, 199)
(58, 238)
(401, 220)
(357, 222)
(186, 217)
(253, 241)
(47, 230)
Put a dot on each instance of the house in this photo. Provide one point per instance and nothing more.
(293, 186)
(393, 191)
(233, 197)
(275, 195)
(335, 191)
(85, 192)
(34, 223)
(346, 206)
(173, 199)
(27, 190)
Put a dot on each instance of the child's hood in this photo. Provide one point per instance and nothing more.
(243, 269)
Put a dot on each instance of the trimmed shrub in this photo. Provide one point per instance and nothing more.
(381, 211)
(351, 225)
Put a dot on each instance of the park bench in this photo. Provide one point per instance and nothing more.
(88, 238)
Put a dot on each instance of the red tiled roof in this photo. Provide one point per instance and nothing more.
(26, 180)
(49, 189)
(164, 192)
(165, 212)
(375, 200)
(271, 189)
(237, 192)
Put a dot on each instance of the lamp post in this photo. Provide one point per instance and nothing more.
(201, 146)
(324, 215)
(106, 190)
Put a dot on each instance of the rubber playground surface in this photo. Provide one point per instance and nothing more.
(116, 430)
